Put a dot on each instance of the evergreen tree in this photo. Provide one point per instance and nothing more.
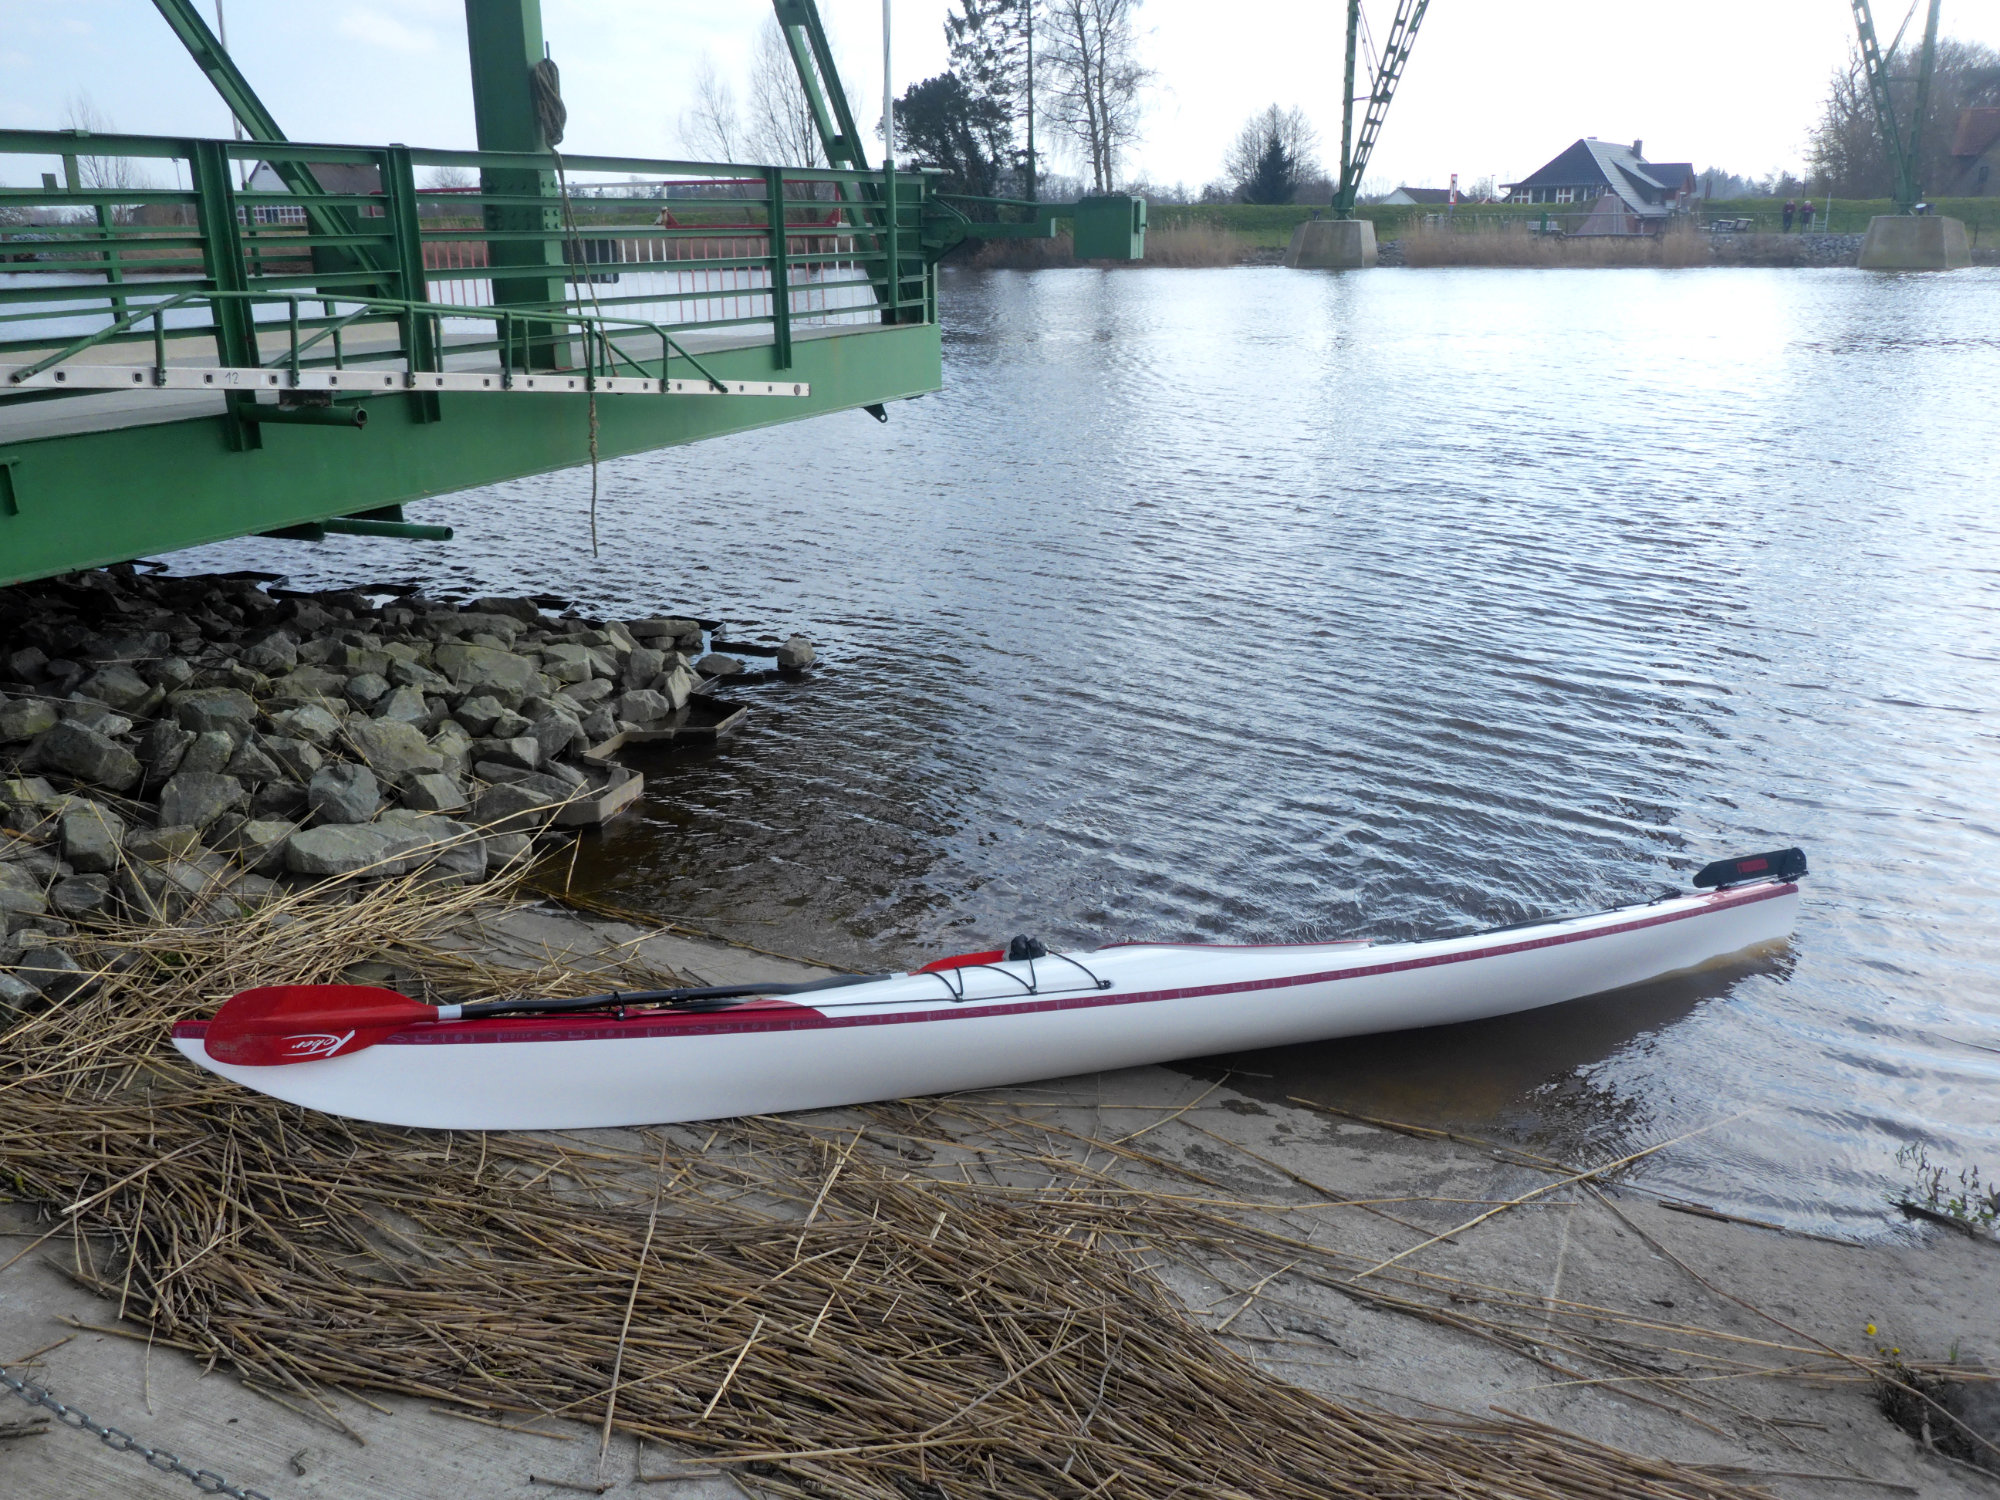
(988, 43)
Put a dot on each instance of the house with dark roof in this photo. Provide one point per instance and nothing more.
(1409, 195)
(1975, 154)
(1644, 194)
(356, 178)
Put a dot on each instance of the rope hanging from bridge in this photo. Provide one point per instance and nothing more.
(552, 117)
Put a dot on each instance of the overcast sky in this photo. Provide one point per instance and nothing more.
(1491, 89)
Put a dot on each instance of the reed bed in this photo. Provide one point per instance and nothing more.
(1180, 245)
(947, 1298)
(1513, 245)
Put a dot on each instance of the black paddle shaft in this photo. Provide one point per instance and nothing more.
(481, 1008)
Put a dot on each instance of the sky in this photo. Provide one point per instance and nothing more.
(1491, 89)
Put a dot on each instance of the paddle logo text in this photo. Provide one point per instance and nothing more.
(318, 1043)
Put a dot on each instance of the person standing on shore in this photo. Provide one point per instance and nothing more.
(1791, 208)
(1806, 216)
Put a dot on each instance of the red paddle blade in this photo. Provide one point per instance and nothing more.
(961, 961)
(292, 1023)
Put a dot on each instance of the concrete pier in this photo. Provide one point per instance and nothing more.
(1915, 242)
(1332, 245)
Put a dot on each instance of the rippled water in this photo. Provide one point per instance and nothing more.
(1259, 604)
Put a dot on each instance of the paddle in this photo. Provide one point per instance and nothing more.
(294, 1023)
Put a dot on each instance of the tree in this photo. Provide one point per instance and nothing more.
(990, 46)
(100, 173)
(1094, 80)
(1273, 156)
(782, 128)
(711, 129)
(450, 179)
(940, 123)
(1848, 155)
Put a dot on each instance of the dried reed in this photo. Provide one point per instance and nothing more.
(941, 1299)
(1513, 245)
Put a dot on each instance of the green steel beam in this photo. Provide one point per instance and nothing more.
(261, 125)
(812, 55)
(88, 499)
(504, 41)
(1920, 108)
(1343, 201)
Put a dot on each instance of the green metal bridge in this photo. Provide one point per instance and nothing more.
(304, 347)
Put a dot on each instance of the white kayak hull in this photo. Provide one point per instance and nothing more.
(910, 1034)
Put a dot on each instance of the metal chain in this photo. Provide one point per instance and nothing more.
(121, 1442)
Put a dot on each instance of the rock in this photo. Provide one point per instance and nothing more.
(210, 754)
(433, 791)
(88, 756)
(343, 793)
(252, 764)
(53, 972)
(509, 726)
(170, 673)
(516, 807)
(16, 996)
(92, 837)
(525, 610)
(414, 674)
(299, 758)
(21, 897)
(195, 799)
(648, 631)
(310, 722)
(118, 686)
(273, 653)
(364, 661)
(643, 706)
(503, 628)
(523, 751)
(81, 895)
(583, 694)
(91, 714)
(166, 891)
(598, 726)
(365, 687)
(163, 748)
(485, 670)
(395, 750)
(451, 849)
(25, 664)
(574, 664)
(454, 747)
(479, 713)
(281, 799)
(404, 705)
(168, 842)
(25, 718)
(259, 844)
(554, 732)
(504, 849)
(212, 708)
(309, 684)
(643, 665)
(676, 685)
(715, 664)
(27, 791)
(797, 653)
(345, 849)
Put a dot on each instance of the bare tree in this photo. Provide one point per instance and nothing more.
(1847, 153)
(782, 128)
(450, 179)
(1095, 76)
(711, 129)
(100, 173)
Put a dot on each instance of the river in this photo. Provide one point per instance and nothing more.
(1254, 604)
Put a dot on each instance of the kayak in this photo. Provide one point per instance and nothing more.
(988, 1019)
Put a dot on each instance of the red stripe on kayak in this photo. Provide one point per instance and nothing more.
(763, 1017)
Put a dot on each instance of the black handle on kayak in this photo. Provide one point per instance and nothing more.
(1779, 864)
(661, 997)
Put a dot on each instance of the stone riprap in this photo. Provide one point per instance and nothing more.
(179, 745)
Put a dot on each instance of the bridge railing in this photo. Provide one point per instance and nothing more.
(222, 252)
